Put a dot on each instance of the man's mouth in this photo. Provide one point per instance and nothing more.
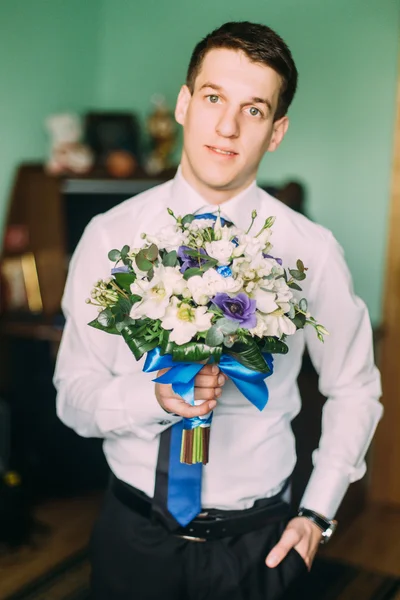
(222, 151)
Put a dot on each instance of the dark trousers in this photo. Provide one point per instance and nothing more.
(136, 559)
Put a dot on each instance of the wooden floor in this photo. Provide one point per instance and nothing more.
(371, 541)
(69, 523)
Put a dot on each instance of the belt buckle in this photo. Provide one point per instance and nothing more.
(191, 538)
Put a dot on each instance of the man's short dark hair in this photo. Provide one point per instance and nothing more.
(261, 45)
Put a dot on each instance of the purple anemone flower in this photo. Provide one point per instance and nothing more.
(190, 262)
(278, 260)
(239, 308)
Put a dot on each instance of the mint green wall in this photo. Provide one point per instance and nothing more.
(340, 139)
(48, 54)
(57, 55)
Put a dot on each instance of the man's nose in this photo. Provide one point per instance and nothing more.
(228, 125)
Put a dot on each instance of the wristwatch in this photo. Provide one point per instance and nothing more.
(328, 527)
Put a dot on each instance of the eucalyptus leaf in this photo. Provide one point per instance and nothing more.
(124, 252)
(214, 336)
(187, 219)
(170, 259)
(227, 326)
(114, 255)
(300, 265)
(294, 286)
(298, 275)
(229, 340)
(299, 320)
(151, 253)
(303, 305)
(142, 262)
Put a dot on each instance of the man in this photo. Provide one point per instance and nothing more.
(240, 83)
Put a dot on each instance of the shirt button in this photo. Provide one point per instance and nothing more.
(164, 422)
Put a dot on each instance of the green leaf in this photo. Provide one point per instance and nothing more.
(187, 219)
(229, 340)
(303, 304)
(192, 272)
(134, 298)
(125, 280)
(170, 259)
(248, 353)
(114, 255)
(294, 286)
(137, 345)
(298, 275)
(151, 253)
(195, 352)
(122, 309)
(214, 336)
(227, 326)
(142, 262)
(300, 266)
(299, 320)
(106, 318)
(96, 325)
(124, 252)
(273, 345)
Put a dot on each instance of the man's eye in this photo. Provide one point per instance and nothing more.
(213, 98)
(254, 111)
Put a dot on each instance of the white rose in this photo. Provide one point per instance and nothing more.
(279, 325)
(169, 237)
(265, 301)
(221, 251)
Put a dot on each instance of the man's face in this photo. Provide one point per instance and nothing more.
(228, 122)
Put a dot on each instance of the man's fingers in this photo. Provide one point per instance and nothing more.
(209, 381)
(206, 393)
(289, 539)
(210, 370)
(180, 407)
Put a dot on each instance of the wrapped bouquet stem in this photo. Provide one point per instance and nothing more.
(203, 291)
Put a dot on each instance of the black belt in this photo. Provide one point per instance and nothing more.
(211, 524)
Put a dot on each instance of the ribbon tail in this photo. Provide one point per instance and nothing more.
(256, 392)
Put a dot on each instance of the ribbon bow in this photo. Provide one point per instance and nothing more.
(182, 375)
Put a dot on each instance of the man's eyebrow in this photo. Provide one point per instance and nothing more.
(254, 100)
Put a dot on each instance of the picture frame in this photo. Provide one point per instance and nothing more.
(20, 289)
(106, 132)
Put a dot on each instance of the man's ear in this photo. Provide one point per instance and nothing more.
(279, 131)
(182, 104)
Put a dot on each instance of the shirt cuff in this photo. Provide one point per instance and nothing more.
(325, 492)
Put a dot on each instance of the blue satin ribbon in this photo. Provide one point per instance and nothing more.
(184, 481)
(182, 375)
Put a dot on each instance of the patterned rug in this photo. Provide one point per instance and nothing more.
(329, 580)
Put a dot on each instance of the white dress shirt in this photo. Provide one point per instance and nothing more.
(102, 391)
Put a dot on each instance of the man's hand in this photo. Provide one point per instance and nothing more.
(300, 534)
(208, 387)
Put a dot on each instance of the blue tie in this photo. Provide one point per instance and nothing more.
(177, 496)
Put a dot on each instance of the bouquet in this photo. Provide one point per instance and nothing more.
(203, 290)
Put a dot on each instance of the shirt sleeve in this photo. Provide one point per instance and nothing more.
(348, 379)
(94, 397)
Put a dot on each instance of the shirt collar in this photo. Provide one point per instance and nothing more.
(185, 199)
